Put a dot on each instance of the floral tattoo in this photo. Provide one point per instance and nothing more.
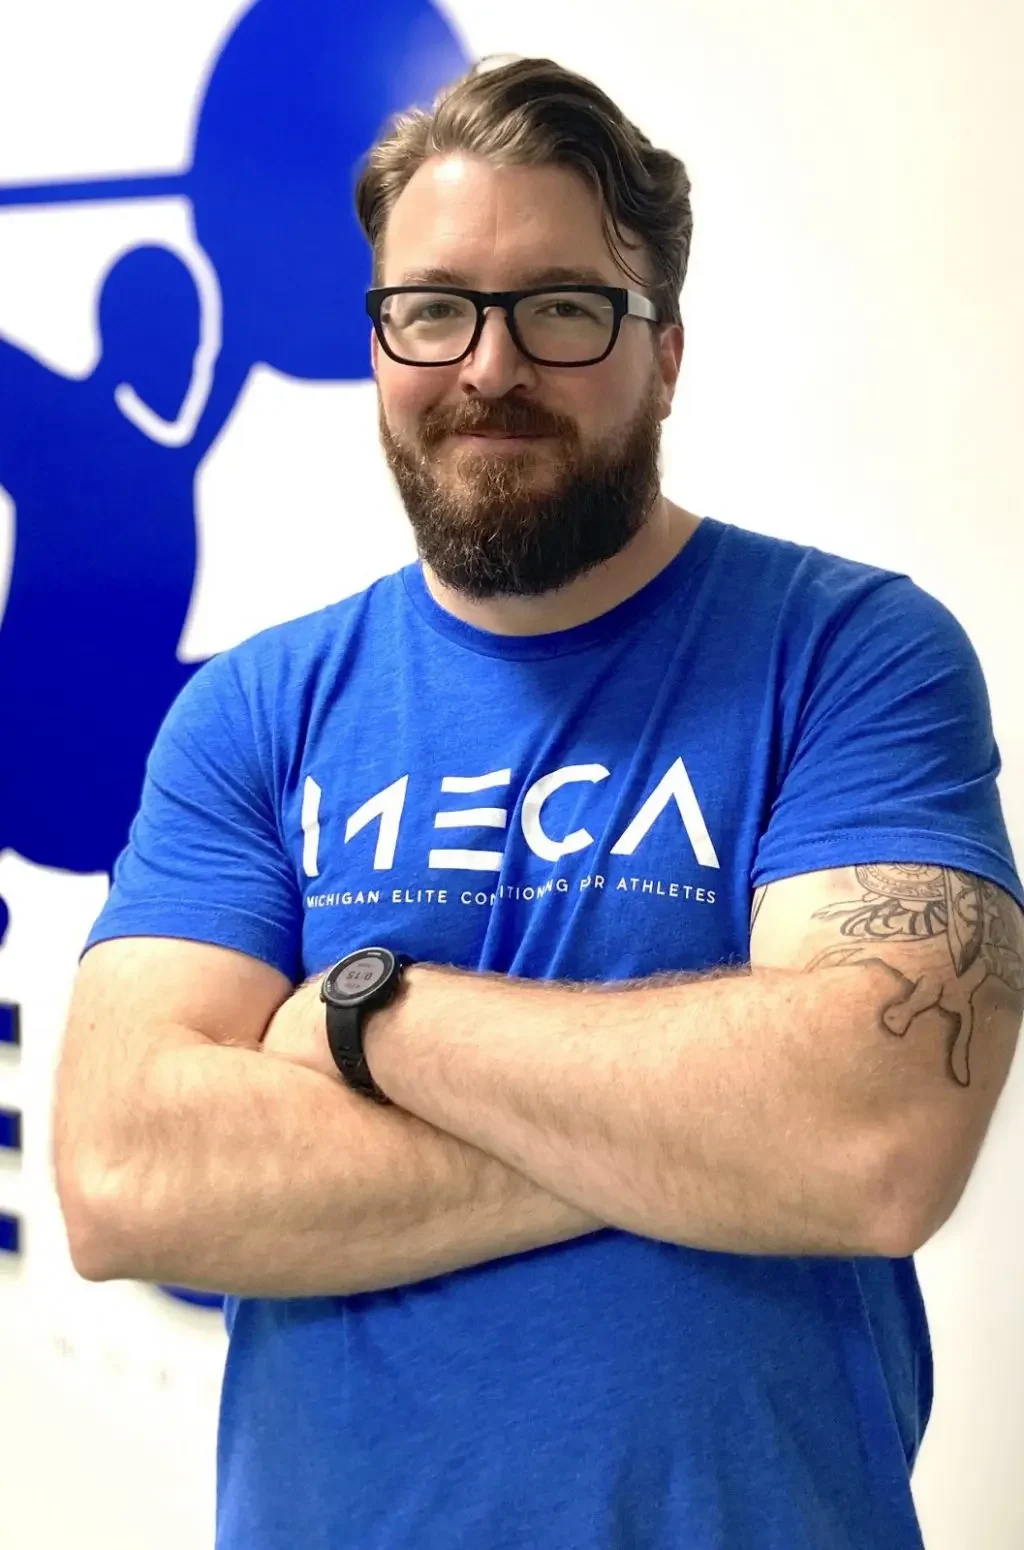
(962, 929)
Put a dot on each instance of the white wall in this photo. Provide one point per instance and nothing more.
(855, 327)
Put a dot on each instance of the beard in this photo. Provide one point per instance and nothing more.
(519, 524)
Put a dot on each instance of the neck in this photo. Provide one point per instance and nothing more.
(663, 535)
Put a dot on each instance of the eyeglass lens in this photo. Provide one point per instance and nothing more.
(560, 327)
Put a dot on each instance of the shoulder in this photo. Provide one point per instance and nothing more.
(800, 571)
(294, 657)
(816, 597)
(266, 697)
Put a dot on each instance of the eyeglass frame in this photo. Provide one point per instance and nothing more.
(625, 303)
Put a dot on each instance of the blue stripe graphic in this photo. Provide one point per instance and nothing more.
(10, 1130)
(147, 185)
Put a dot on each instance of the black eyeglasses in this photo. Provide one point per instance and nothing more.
(559, 325)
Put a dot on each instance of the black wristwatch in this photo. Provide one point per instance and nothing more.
(359, 983)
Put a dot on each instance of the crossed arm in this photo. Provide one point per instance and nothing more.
(830, 1098)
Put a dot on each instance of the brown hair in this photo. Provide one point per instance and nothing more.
(532, 112)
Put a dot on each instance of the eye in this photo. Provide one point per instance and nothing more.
(434, 312)
(560, 308)
(425, 309)
(576, 307)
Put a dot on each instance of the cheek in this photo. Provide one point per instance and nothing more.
(624, 388)
(407, 393)
(597, 400)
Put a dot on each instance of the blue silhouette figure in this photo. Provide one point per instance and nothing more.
(103, 568)
(104, 560)
(102, 471)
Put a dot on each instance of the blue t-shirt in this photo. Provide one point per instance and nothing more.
(594, 804)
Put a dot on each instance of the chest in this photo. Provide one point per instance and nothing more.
(606, 838)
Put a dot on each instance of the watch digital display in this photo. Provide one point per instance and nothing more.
(360, 977)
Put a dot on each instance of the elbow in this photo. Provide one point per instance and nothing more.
(91, 1204)
(889, 1235)
(87, 1259)
(909, 1229)
(903, 1215)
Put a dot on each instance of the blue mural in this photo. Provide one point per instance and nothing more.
(102, 470)
(104, 565)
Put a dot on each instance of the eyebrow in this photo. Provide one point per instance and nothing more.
(552, 275)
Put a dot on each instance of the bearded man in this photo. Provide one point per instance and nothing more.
(555, 992)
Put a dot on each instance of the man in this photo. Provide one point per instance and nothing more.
(593, 1226)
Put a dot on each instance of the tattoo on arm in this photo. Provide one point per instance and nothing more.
(962, 931)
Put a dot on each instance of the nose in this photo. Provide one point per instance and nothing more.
(496, 366)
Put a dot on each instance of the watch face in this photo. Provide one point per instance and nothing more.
(361, 974)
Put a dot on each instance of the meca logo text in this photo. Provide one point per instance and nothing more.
(388, 805)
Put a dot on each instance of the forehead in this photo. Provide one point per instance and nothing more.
(491, 226)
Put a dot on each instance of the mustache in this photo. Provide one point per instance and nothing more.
(514, 417)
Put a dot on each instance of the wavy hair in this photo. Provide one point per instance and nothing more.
(532, 112)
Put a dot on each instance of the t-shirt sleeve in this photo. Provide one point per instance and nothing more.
(204, 859)
(892, 755)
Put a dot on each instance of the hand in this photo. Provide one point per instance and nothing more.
(298, 1032)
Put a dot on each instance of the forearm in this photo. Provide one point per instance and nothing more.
(242, 1173)
(737, 1114)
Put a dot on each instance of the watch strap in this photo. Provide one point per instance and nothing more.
(345, 1024)
(345, 1039)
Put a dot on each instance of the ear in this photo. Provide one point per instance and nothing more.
(671, 344)
(374, 348)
